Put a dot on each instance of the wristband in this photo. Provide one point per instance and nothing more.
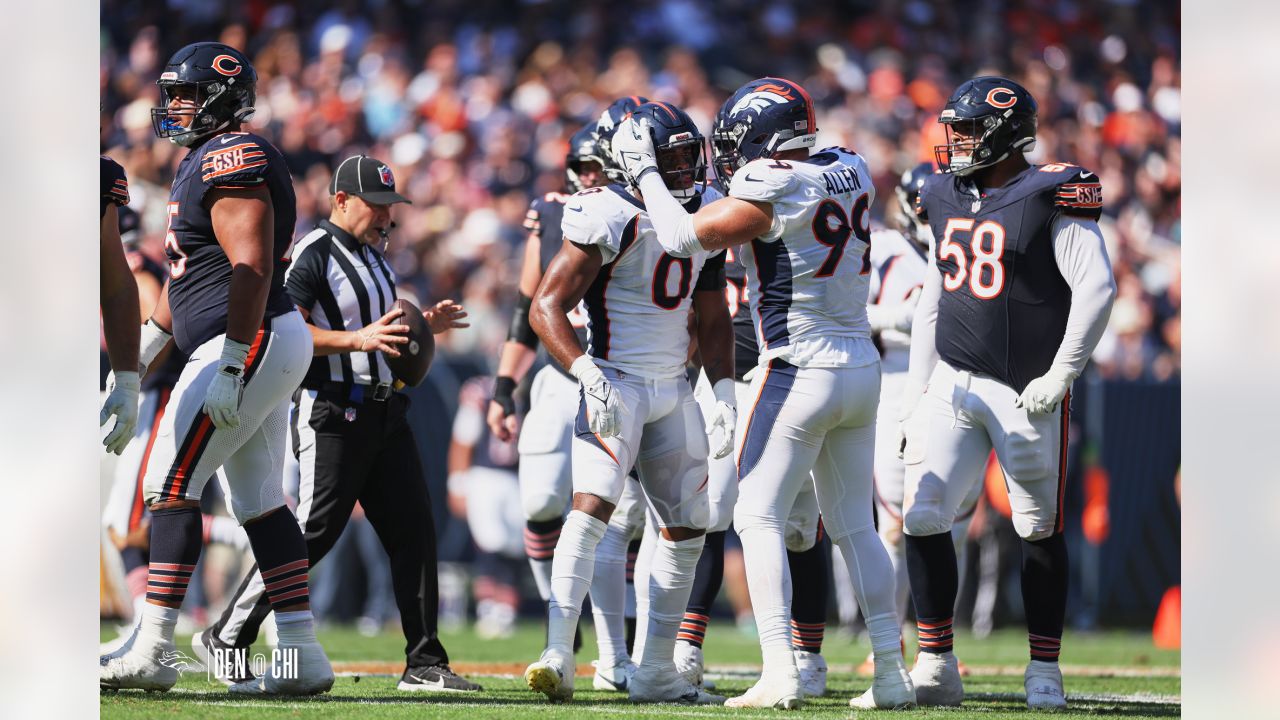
(584, 368)
(724, 390)
(234, 353)
(504, 389)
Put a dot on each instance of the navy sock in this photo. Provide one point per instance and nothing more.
(707, 579)
(175, 550)
(282, 558)
(931, 566)
(809, 608)
(1044, 594)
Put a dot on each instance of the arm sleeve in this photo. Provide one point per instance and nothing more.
(1082, 259)
(924, 350)
(673, 226)
(585, 223)
(712, 276)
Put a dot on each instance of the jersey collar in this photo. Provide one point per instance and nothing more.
(348, 240)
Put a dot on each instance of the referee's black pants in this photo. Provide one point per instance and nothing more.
(359, 451)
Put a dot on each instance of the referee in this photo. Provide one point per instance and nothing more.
(350, 434)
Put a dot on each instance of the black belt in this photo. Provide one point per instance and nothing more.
(357, 392)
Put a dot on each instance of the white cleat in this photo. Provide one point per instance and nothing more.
(689, 664)
(310, 674)
(891, 687)
(613, 678)
(780, 690)
(937, 680)
(813, 673)
(552, 675)
(155, 668)
(665, 685)
(1043, 682)
(120, 644)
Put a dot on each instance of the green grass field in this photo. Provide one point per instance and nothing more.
(1114, 674)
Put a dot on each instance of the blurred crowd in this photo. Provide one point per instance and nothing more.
(472, 103)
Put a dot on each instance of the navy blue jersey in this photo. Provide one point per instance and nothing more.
(115, 186)
(746, 353)
(1004, 303)
(200, 274)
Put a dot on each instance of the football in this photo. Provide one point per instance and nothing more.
(415, 356)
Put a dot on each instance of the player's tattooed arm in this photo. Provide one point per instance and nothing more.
(566, 281)
(243, 221)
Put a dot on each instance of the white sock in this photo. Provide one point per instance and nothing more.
(670, 582)
(608, 595)
(157, 625)
(644, 560)
(769, 581)
(571, 570)
(295, 628)
(542, 577)
(874, 585)
(901, 583)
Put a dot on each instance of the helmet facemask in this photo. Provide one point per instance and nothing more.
(682, 163)
(212, 100)
(975, 143)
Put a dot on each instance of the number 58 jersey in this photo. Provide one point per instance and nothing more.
(638, 305)
(808, 277)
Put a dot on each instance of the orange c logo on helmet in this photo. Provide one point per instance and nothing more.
(229, 66)
(991, 98)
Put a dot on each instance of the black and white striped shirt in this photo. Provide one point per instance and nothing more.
(344, 285)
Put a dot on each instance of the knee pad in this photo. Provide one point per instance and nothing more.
(1032, 529)
(1027, 458)
(799, 538)
(925, 519)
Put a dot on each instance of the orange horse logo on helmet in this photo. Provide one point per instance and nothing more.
(992, 101)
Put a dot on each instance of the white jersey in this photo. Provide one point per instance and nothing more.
(638, 306)
(897, 268)
(808, 276)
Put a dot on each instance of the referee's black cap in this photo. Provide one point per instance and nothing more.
(368, 178)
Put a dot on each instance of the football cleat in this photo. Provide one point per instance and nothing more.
(153, 668)
(1043, 682)
(203, 645)
(936, 677)
(435, 678)
(667, 686)
(313, 674)
(552, 675)
(688, 659)
(891, 687)
(813, 673)
(121, 643)
(612, 678)
(778, 690)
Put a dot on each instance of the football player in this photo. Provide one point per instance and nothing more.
(803, 221)
(546, 434)
(118, 298)
(637, 407)
(1017, 295)
(231, 214)
(899, 261)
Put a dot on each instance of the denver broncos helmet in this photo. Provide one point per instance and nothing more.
(584, 147)
(907, 195)
(678, 147)
(218, 78)
(617, 111)
(986, 119)
(763, 117)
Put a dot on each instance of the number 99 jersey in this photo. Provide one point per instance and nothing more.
(199, 272)
(638, 305)
(808, 277)
(1004, 304)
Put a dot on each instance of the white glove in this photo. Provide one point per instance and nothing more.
(122, 402)
(604, 408)
(724, 418)
(632, 147)
(222, 399)
(1043, 394)
(153, 339)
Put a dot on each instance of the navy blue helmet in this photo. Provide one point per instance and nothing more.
(763, 117)
(584, 147)
(218, 78)
(617, 111)
(907, 194)
(986, 119)
(679, 148)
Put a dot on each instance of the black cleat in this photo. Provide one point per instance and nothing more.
(205, 642)
(435, 678)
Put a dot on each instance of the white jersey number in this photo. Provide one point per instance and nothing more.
(986, 273)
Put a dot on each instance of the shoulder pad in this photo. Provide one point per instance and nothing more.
(1076, 191)
(597, 216)
(234, 160)
(115, 186)
(932, 184)
(763, 179)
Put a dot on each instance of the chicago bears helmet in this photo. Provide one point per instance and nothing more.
(763, 117)
(907, 195)
(584, 147)
(617, 111)
(678, 148)
(218, 78)
(986, 119)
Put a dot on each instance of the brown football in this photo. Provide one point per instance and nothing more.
(416, 355)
